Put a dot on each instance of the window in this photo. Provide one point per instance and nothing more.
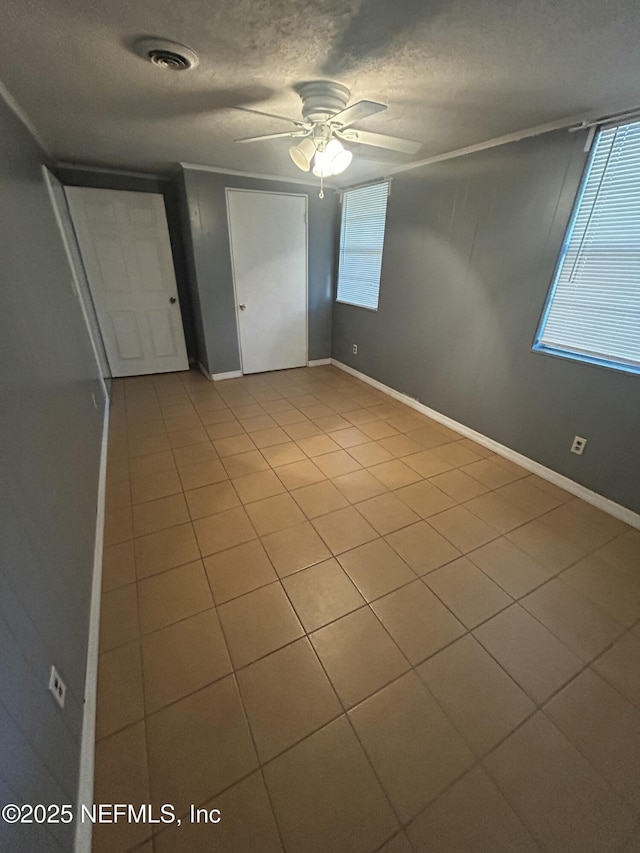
(593, 308)
(364, 212)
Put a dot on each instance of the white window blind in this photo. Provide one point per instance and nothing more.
(364, 213)
(593, 309)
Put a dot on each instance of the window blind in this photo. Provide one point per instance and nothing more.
(364, 212)
(593, 310)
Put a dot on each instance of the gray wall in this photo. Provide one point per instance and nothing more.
(205, 223)
(50, 434)
(470, 248)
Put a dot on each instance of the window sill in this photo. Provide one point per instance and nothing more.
(355, 305)
(568, 355)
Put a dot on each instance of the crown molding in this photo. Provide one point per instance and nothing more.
(262, 177)
(108, 170)
(527, 133)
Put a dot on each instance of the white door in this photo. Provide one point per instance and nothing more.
(124, 242)
(268, 233)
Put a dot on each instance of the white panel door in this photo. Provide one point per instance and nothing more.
(124, 242)
(268, 233)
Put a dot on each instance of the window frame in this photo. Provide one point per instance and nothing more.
(559, 351)
(376, 183)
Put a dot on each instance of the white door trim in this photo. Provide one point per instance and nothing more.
(74, 279)
(227, 191)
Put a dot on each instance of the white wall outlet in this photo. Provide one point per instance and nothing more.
(579, 444)
(355, 349)
(57, 687)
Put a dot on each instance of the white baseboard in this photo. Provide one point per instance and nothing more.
(87, 747)
(232, 374)
(203, 370)
(599, 501)
(318, 362)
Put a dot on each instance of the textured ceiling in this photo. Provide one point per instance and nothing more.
(453, 73)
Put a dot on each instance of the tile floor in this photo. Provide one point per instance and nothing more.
(351, 629)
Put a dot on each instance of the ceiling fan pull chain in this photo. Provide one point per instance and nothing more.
(321, 193)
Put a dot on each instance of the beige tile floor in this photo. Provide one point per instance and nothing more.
(350, 629)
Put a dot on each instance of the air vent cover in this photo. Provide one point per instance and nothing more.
(166, 54)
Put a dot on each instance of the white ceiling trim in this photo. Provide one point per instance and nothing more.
(17, 110)
(62, 164)
(494, 143)
(261, 176)
(610, 118)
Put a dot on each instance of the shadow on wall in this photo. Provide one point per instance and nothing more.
(425, 316)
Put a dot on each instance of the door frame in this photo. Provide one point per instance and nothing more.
(227, 191)
(85, 299)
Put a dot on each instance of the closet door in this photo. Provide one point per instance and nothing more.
(268, 235)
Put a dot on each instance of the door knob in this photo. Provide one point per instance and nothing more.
(242, 306)
(172, 300)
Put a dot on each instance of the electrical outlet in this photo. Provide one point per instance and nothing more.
(355, 349)
(57, 687)
(578, 445)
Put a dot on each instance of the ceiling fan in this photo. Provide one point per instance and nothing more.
(326, 123)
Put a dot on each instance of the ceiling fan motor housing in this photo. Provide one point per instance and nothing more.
(322, 99)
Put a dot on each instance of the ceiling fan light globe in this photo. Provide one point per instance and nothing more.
(322, 172)
(302, 154)
(322, 165)
(341, 161)
(334, 147)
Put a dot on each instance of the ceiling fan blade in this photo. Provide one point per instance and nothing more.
(294, 121)
(381, 140)
(356, 112)
(292, 133)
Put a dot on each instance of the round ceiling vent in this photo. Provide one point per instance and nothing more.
(166, 54)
